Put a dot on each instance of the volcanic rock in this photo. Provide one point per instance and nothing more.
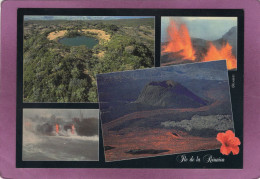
(231, 38)
(145, 151)
(169, 94)
(108, 147)
(203, 125)
(175, 134)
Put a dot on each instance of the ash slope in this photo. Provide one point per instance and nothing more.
(169, 93)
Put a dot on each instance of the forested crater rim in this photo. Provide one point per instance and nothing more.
(101, 35)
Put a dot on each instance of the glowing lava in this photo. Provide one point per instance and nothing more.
(72, 128)
(179, 41)
(57, 128)
(224, 53)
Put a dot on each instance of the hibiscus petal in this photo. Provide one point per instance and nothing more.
(235, 150)
(237, 141)
(221, 137)
(234, 142)
(230, 134)
(225, 150)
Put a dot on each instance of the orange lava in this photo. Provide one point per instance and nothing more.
(224, 53)
(57, 128)
(181, 44)
(72, 128)
(157, 139)
(179, 41)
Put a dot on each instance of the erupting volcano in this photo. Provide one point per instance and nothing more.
(182, 48)
(180, 41)
(60, 135)
(224, 53)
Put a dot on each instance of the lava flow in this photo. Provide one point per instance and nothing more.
(224, 53)
(57, 128)
(72, 128)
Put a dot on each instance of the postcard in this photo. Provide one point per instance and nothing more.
(187, 39)
(164, 111)
(52, 51)
(71, 62)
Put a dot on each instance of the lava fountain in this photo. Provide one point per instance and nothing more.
(179, 41)
(180, 44)
(225, 52)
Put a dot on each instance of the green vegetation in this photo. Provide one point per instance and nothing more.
(72, 33)
(57, 73)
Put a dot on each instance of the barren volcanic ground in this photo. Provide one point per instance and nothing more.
(129, 140)
(140, 134)
(176, 109)
(154, 142)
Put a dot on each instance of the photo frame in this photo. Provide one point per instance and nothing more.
(157, 15)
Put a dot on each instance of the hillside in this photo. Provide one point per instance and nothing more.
(170, 94)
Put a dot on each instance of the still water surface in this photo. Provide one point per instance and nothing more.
(89, 42)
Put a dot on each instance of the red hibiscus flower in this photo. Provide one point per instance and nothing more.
(229, 143)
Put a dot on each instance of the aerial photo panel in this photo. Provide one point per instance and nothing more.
(63, 54)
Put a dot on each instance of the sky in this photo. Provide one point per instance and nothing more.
(212, 70)
(61, 113)
(207, 28)
(37, 17)
(189, 70)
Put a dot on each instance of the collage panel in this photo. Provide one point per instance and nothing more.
(63, 54)
(186, 39)
(159, 81)
(60, 134)
(164, 111)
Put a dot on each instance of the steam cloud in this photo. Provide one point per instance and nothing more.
(45, 121)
